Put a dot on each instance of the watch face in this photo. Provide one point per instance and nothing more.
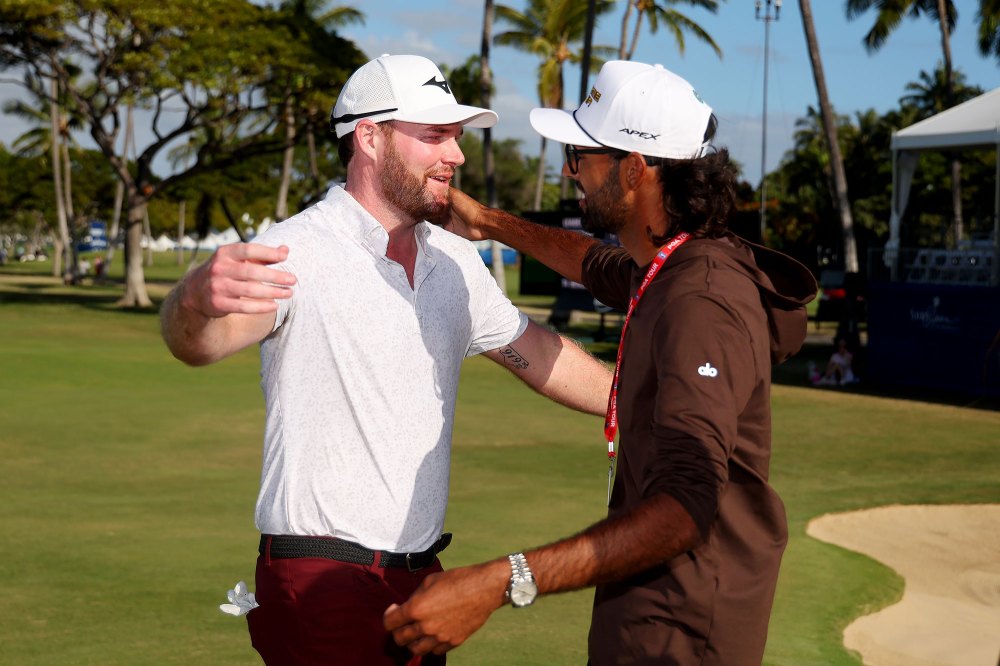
(523, 593)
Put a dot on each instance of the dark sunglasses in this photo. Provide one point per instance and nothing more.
(573, 155)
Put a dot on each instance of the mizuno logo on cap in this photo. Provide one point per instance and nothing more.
(639, 133)
(442, 84)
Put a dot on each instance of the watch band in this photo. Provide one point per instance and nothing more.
(519, 567)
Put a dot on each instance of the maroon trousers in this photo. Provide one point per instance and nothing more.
(317, 611)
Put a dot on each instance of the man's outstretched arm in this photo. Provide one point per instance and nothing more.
(558, 368)
(449, 607)
(561, 250)
(226, 304)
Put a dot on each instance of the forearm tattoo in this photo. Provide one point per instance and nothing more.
(512, 358)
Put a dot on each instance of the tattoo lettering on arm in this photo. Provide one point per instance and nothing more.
(512, 358)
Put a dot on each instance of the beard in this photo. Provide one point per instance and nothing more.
(408, 192)
(604, 211)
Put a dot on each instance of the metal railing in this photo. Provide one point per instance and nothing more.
(969, 266)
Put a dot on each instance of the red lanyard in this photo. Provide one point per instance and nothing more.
(611, 420)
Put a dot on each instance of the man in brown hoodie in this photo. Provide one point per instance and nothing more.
(686, 562)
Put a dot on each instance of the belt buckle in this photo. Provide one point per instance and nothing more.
(409, 563)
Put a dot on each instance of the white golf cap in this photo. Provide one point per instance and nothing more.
(633, 107)
(402, 87)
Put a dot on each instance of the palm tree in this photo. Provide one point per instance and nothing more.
(890, 14)
(843, 204)
(550, 29)
(313, 21)
(288, 120)
(128, 143)
(674, 21)
(988, 18)
(489, 168)
(930, 93)
(337, 17)
(53, 135)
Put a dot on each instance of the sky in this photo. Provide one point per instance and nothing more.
(449, 31)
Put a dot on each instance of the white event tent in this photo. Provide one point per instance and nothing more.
(972, 124)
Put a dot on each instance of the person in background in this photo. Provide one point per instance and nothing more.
(840, 367)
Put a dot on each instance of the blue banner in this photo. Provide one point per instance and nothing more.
(935, 336)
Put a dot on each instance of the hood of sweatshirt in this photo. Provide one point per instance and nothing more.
(785, 286)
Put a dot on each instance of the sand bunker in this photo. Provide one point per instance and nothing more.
(950, 559)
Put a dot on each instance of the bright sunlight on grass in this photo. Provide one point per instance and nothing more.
(129, 481)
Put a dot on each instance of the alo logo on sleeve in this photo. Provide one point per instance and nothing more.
(707, 370)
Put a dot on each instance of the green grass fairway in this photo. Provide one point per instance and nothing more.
(128, 484)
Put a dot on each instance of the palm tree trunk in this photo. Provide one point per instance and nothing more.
(311, 148)
(635, 33)
(73, 256)
(830, 130)
(57, 261)
(147, 233)
(181, 209)
(956, 165)
(540, 182)
(624, 35)
(489, 168)
(67, 168)
(281, 209)
(37, 233)
(58, 249)
(120, 189)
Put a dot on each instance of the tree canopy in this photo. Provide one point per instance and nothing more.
(222, 70)
(803, 214)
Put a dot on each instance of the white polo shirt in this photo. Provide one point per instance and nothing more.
(361, 373)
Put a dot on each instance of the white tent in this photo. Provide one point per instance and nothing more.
(164, 243)
(225, 237)
(973, 124)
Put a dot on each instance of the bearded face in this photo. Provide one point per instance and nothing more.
(409, 192)
(603, 210)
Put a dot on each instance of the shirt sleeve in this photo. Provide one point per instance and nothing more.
(273, 237)
(607, 274)
(706, 373)
(498, 322)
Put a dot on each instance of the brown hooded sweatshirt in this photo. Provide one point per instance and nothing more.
(695, 422)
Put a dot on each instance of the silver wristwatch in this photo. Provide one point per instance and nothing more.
(522, 589)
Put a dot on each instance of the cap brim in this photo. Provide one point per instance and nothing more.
(560, 126)
(446, 114)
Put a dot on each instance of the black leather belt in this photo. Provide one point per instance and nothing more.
(283, 546)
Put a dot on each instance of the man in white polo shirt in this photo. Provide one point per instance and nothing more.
(364, 312)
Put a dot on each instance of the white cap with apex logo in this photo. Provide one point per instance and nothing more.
(636, 107)
(402, 87)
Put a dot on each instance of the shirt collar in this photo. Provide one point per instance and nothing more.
(363, 226)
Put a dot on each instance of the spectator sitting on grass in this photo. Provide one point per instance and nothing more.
(838, 368)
